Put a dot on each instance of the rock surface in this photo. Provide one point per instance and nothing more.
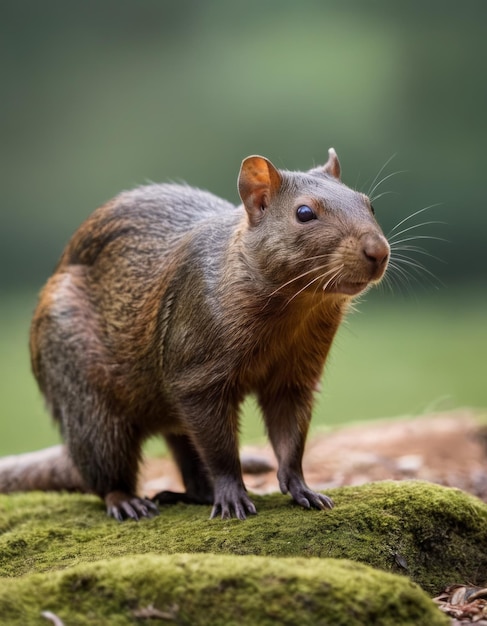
(376, 558)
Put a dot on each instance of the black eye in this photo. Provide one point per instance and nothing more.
(305, 213)
(372, 209)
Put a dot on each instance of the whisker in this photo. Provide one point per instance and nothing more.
(313, 269)
(426, 208)
(403, 258)
(377, 185)
(380, 172)
(415, 264)
(405, 267)
(405, 230)
(335, 276)
(388, 280)
(416, 249)
(318, 286)
(310, 283)
(399, 272)
(420, 237)
(380, 195)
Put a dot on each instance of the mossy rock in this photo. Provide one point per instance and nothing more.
(205, 589)
(431, 535)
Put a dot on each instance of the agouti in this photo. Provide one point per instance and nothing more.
(170, 305)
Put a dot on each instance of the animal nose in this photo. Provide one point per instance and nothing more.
(375, 249)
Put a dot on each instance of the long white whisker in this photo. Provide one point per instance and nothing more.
(398, 268)
(313, 269)
(377, 185)
(405, 230)
(402, 273)
(416, 249)
(404, 258)
(309, 284)
(420, 237)
(419, 267)
(335, 275)
(380, 172)
(426, 208)
(384, 193)
(389, 280)
(317, 286)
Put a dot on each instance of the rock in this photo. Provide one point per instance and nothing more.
(208, 589)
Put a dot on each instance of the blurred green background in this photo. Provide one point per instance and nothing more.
(102, 95)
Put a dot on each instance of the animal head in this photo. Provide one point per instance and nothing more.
(310, 233)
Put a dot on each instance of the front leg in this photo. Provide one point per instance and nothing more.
(287, 415)
(213, 427)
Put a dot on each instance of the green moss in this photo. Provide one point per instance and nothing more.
(220, 590)
(432, 534)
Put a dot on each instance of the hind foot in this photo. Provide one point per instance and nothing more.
(122, 506)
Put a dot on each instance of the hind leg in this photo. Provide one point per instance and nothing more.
(107, 454)
(78, 379)
(199, 488)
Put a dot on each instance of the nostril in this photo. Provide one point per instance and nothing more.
(376, 251)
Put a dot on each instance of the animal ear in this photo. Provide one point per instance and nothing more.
(332, 166)
(258, 182)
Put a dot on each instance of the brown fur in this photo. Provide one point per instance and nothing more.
(169, 306)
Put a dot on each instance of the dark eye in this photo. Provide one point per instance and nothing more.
(372, 209)
(305, 213)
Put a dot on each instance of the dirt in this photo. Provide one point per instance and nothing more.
(449, 449)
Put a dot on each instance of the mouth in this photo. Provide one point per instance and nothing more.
(347, 288)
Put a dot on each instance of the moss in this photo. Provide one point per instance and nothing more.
(220, 590)
(432, 534)
(93, 570)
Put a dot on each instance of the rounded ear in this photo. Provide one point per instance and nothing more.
(332, 166)
(258, 182)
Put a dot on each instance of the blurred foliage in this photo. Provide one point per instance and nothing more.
(102, 95)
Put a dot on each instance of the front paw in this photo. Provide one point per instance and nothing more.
(307, 498)
(311, 499)
(232, 501)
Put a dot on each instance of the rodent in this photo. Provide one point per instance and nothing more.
(169, 305)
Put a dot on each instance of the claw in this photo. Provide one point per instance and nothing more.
(114, 512)
(326, 501)
(237, 508)
(129, 511)
(121, 506)
(308, 499)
